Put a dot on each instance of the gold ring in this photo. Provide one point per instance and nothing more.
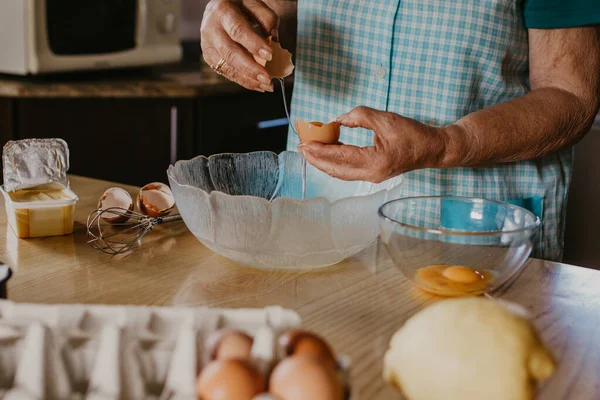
(218, 67)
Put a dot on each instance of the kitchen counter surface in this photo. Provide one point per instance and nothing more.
(185, 80)
(357, 305)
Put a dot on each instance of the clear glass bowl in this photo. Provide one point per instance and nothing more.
(249, 208)
(492, 239)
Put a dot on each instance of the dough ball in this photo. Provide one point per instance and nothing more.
(467, 348)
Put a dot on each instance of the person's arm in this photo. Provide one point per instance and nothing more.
(565, 81)
(559, 110)
(228, 36)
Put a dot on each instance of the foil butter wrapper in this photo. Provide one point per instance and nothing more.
(29, 163)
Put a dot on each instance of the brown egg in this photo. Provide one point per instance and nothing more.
(155, 200)
(233, 345)
(281, 64)
(318, 132)
(115, 197)
(298, 342)
(302, 377)
(453, 280)
(229, 380)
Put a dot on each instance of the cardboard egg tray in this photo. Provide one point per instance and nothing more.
(124, 352)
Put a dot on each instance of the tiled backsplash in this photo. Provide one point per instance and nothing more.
(192, 17)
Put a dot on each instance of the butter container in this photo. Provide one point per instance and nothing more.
(38, 212)
(36, 188)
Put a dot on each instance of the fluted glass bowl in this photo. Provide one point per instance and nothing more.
(490, 238)
(249, 208)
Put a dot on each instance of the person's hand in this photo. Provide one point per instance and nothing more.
(400, 145)
(227, 34)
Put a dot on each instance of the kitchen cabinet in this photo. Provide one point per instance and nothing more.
(129, 126)
(130, 141)
(243, 123)
(583, 210)
(6, 120)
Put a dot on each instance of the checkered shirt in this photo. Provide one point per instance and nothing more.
(434, 61)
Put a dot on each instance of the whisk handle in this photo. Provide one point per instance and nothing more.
(170, 218)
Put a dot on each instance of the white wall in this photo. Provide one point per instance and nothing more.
(582, 237)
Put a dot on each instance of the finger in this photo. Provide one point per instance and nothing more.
(264, 15)
(212, 57)
(240, 63)
(359, 117)
(239, 28)
(341, 161)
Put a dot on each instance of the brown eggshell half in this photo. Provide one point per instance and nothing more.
(281, 64)
(229, 380)
(318, 132)
(299, 342)
(301, 378)
(115, 197)
(155, 200)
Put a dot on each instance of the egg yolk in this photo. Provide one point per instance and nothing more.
(453, 280)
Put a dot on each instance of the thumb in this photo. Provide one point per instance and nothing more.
(359, 117)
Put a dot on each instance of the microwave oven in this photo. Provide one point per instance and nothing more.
(48, 36)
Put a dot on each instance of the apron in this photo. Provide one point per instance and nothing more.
(433, 61)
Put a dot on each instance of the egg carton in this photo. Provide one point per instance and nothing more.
(98, 352)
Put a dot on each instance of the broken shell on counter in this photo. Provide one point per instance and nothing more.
(228, 380)
(281, 64)
(155, 200)
(299, 342)
(115, 197)
(318, 132)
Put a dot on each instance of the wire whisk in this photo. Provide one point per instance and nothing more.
(117, 238)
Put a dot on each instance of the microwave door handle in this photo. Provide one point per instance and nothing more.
(142, 21)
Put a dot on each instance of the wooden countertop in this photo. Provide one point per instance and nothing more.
(185, 80)
(357, 305)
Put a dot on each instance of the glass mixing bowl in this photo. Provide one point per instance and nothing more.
(456, 246)
(249, 208)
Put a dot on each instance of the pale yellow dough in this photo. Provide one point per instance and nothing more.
(468, 348)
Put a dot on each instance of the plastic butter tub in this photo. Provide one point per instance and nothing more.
(38, 213)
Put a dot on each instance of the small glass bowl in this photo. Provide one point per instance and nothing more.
(486, 241)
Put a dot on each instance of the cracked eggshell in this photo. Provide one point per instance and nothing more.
(281, 65)
(155, 200)
(115, 197)
(318, 132)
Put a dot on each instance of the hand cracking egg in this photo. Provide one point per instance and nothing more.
(115, 197)
(155, 200)
(280, 65)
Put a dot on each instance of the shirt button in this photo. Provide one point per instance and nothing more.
(380, 72)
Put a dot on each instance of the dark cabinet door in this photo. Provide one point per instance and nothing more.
(7, 129)
(242, 123)
(129, 141)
